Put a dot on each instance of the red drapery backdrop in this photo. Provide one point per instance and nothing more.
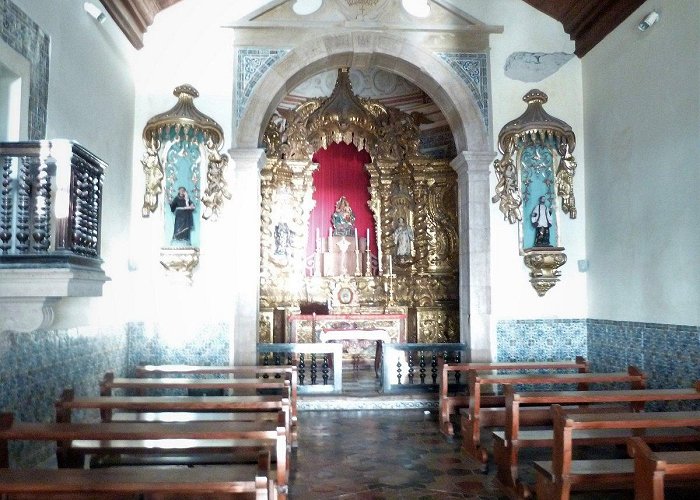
(341, 172)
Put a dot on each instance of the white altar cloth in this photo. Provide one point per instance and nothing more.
(328, 335)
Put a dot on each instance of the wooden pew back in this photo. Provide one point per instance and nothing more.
(449, 403)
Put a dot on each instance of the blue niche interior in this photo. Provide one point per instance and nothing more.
(182, 170)
(537, 180)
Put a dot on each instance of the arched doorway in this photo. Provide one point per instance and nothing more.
(448, 91)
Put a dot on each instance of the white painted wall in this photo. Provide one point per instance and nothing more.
(642, 123)
(102, 93)
(512, 295)
(91, 101)
(205, 59)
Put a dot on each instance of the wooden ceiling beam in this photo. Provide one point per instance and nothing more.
(135, 16)
(587, 22)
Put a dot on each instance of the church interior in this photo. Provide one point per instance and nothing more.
(368, 190)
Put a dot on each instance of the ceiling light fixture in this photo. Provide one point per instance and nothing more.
(94, 12)
(306, 7)
(417, 8)
(649, 20)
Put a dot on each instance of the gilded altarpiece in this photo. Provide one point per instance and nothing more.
(406, 189)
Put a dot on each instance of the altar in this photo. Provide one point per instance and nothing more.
(356, 342)
(309, 327)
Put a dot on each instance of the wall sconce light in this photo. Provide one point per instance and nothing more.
(94, 12)
(649, 20)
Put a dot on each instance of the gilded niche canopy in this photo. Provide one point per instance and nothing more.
(180, 143)
(535, 173)
(184, 122)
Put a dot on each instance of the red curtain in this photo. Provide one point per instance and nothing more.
(341, 172)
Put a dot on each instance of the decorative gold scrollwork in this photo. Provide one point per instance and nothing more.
(153, 171)
(217, 188)
(527, 176)
(184, 118)
(402, 184)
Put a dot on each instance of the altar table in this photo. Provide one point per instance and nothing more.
(358, 340)
(308, 327)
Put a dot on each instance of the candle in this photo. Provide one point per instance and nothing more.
(391, 269)
(318, 239)
(367, 242)
(357, 244)
(330, 238)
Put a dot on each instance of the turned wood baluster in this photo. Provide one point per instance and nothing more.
(433, 367)
(23, 189)
(42, 209)
(422, 367)
(325, 369)
(398, 371)
(410, 367)
(6, 206)
(94, 204)
(79, 217)
(314, 368)
(302, 369)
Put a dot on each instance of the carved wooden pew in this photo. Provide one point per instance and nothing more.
(241, 386)
(477, 417)
(140, 386)
(507, 443)
(74, 440)
(286, 372)
(651, 469)
(173, 408)
(556, 479)
(450, 403)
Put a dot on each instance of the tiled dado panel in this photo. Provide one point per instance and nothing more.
(540, 339)
(153, 344)
(668, 354)
(35, 367)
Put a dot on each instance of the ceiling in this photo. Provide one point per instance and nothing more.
(586, 21)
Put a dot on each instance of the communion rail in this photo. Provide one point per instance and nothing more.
(319, 365)
(416, 367)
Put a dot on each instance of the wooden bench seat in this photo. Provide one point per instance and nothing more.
(472, 420)
(238, 386)
(651, 469)
(74, 440)
(506, 444)
(247, 408)
(248, 481)
(450, 403)
(286, 372)
(139, 386)
(555, 479)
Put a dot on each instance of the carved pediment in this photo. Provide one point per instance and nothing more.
(340, 15)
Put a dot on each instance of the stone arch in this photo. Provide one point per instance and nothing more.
(362, 49)
(457, 102)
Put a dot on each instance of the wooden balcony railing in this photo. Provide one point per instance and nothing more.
(50, 211)
(50, 202)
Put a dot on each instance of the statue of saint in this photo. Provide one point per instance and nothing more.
(403, 236)
(541, 219)
(283, 239)
(183, 209)
(343, 219)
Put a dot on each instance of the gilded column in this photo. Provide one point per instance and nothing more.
(474, 251)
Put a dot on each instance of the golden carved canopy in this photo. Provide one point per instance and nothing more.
(185, 120)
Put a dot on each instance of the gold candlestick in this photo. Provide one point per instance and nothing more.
(368, 263)
(358, 264)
